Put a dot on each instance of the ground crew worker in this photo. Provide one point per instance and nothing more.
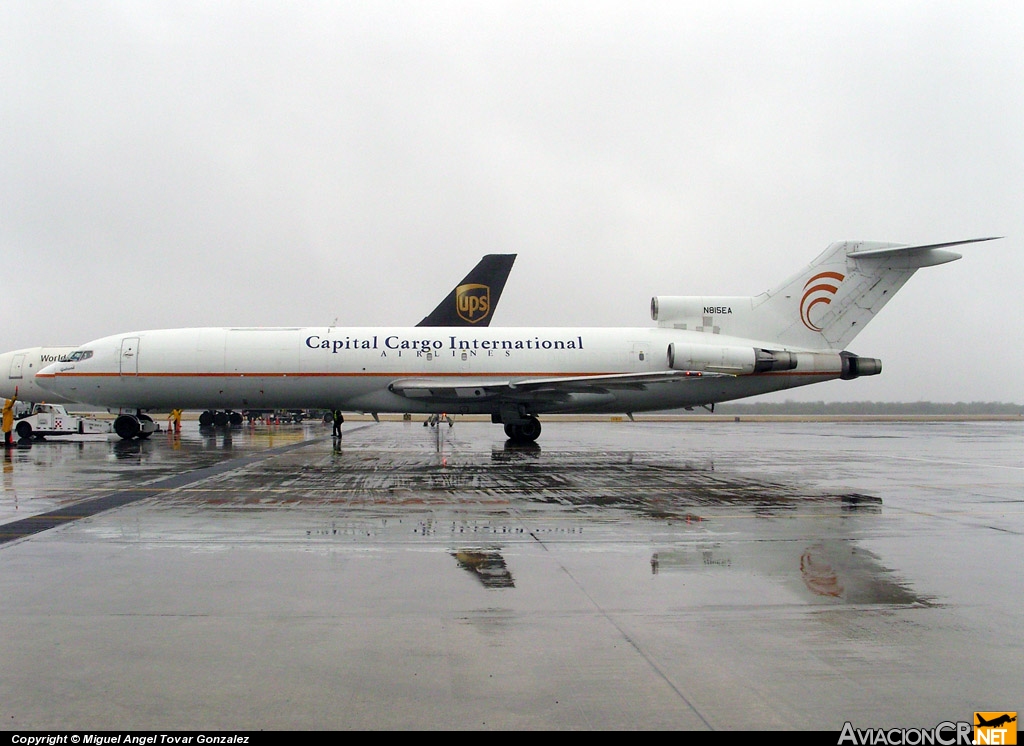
(175, 418)
(8, 418)
(338, 419)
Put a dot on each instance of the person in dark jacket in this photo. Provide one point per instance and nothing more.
(338, 419)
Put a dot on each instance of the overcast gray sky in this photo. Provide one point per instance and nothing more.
(167, 164)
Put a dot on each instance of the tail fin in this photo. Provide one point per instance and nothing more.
(824, 306)
(472, 301)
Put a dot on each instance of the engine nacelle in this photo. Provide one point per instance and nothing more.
(693, 309)
(731, 359)
(773, 360)
(855, 367)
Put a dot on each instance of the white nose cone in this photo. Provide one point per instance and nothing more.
(45, 377)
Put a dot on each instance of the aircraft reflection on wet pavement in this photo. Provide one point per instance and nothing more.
(711, 521)
(809, 547)
(714, 521)
(487, 565)
(811, 558)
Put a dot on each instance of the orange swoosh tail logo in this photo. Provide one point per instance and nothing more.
(818, 289)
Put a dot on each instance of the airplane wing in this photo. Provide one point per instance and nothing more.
(554, 388)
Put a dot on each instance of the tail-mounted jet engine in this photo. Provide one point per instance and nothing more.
(729, 359)
(855, 367)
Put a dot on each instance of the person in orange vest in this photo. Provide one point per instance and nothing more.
(8, 418)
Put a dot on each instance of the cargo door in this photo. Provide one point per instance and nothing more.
(17, 366)
(130, 356)
(638, 357)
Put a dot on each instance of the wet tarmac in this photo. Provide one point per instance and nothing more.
(645, 575)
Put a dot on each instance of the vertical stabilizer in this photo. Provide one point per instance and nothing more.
(822, 307)
(472, 301)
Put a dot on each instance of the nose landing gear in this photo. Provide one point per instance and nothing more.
(139, 425)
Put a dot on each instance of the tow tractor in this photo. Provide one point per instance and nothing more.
(53, 419)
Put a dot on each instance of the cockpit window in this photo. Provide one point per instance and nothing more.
(79, 355)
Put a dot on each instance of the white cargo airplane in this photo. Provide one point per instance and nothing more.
(703, 350)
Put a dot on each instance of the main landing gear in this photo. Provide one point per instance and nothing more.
(526, 431)
(211, 418)
(519, 428)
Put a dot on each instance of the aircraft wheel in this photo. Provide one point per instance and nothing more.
(220, 419)
(127, 427)
(530, 430)
(235, 418)
(510, 431)
(24, 430)
(206, 419)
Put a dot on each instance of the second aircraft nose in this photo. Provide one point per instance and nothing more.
(47, 376)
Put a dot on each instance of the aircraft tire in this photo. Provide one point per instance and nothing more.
(530, 430)
(235, 419)
(127, 427)
(220, 419)
(527, 432)
(206, 419)
(24, 430)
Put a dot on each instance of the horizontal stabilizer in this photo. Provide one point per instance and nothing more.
(916, 249)
(914, 257)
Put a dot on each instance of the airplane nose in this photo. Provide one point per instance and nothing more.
(46, 378)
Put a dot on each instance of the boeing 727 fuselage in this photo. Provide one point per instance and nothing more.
(704, 350)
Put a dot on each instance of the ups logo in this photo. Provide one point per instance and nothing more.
(473, 302)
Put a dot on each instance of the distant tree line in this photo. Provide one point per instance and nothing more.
(871, 407)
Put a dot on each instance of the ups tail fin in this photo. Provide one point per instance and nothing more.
(472, 301)
(822, 307)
